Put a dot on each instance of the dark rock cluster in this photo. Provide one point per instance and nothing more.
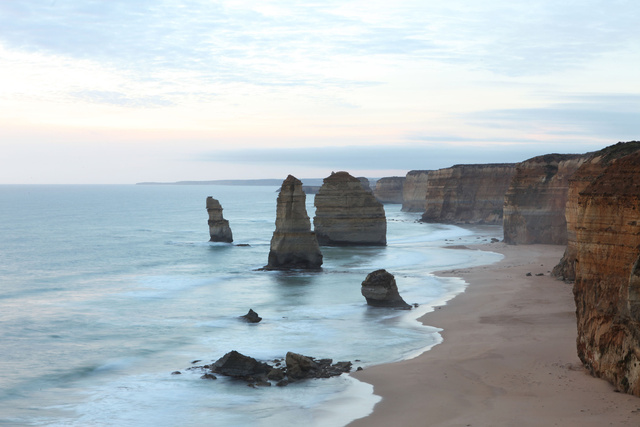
(294, 367)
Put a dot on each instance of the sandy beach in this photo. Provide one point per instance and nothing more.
(508, 357)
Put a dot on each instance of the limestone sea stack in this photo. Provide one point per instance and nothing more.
(534, 206)
(219, 229)
(389, 189)
(467, 194)
(595, 164)
(380, 290)
(607, 269)
(348, 215)
(293, 244)
(414, 191)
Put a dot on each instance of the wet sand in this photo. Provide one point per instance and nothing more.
(508, 357)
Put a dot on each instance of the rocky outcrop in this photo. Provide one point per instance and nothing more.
(293, 244)
(365, 183)
(607, 285)
(380, 290)
(469, 194)
(414, 191)
(348, 215)
(389, 189)
(593, 166)
(534, 206)
(219, 229)
(251, 317)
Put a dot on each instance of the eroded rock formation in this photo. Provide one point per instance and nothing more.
(219, 229)
(472, 194)
(593, 166)
(380, 290)
(389, 189)
(534, 206)
(607, 285)
(293, 244)
(346, 214)
(414, 191)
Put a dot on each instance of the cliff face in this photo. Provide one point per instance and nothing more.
(293, 245)
(607, 268)
(219, 229)
(534, 206)
(346, 214)
(467, 194)
(389, 190)
(595, 164)
(414, 191)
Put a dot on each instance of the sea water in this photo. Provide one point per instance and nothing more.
(107, 290)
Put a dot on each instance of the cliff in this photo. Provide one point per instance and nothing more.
(471, 194)
(607, 270)
(347, 214)
(534, 206)
(389, 190)
(596, 163)
(414, 191)
(293, 244)
(219, 229)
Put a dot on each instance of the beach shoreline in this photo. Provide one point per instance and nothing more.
(508, 356)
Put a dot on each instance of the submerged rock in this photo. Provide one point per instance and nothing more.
(252, 317)
(293, 244)
(380, 290)
(219, 229)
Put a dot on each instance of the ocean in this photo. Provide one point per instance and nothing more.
(108, 289)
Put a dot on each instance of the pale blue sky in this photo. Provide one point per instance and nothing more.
(126, 91)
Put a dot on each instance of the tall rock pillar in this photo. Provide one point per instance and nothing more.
(293, 244)
(219, 229)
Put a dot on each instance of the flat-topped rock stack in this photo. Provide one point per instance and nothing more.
(219, 229)
(348, 215)
(293, 244)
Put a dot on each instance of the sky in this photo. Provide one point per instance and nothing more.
(124, 91)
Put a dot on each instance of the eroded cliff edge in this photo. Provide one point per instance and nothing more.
(414, 191)
(534, 205)
(389, 189)
(607, 269)
(471, 194)
(594, 165)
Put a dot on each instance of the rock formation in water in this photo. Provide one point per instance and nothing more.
(251, 317)
(471, 194)
(595, 164)
(365, 183)
(293, 244)
(219, 229)
(607, 274)
(534, 206)
(348, 215)
(380, 290)
(414, 191)
(389, 189)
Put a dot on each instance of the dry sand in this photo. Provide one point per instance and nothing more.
(508, 357)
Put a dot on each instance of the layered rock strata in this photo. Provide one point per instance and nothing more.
(414, 191)
(607, 270)
(593, 166)
(470, 194)
(293, 244)
(219, 229)
(380, 290)
(534, 206)
(389, 189)
(348, 215)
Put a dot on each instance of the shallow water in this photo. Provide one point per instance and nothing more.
(106, 290)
